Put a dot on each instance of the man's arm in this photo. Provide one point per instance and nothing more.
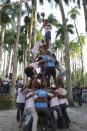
(32, 94)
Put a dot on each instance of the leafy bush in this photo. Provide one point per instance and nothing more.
(5, 102)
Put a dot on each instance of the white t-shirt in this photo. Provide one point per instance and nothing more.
(63, 100)
(47, 28)
(62, 91)
(20, 96)
(34, 65)
(30, 101)
(54, 101)
(35, 49)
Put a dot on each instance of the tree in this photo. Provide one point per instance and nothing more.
(15, 48)
(60, 30)
(67, 55)
(4, 20)
(34, 17)
(74, 53)
(60, 34)
(8, 45)
(85, 13)
(85, 9)
(73, 14)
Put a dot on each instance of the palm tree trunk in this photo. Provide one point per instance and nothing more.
(3, 72)
(25, 54)
(85, 12)
(67, 55)
(16, 50)
(2, 43)
(30, 31)
(34, 13)
(81, 54)
(8, 61)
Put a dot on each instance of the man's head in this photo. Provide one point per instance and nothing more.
(46, 21)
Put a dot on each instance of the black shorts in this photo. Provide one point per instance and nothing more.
(29, 71)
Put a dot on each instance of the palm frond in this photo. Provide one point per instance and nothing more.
(59, 32)
(66, 2)
(70, 31)
(52, 20)
(41, 2)
(70, 26)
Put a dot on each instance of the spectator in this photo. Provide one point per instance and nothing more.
(20, 101)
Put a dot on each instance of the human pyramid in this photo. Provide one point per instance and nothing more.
(45, 59)
(40, 100)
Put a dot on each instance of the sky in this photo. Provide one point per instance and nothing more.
(48, 9)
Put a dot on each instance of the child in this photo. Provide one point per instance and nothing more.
(20, 101)
(47, 27)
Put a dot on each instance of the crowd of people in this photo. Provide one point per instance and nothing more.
(39, 102)
(5, 84)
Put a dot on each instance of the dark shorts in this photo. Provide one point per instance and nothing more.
(48, 35)
(29, 72)
(51, 71)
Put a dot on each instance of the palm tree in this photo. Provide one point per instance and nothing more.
(15, 48)
(4, 20)
(74, 53)
(85, 9)
(60, 33)
(9, 42)
(73, 14)
(32, 27)
(67, 55)
(34, 15)
(85, 13)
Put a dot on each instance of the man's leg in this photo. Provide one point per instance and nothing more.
(18, 112)
(65, 115)
(61, 120)
(48, 114)
(35, 118)
(22, 108)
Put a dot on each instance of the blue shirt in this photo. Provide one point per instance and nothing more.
(41, 93)
(50, 61)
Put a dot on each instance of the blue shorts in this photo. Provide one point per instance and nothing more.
(48, 35)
